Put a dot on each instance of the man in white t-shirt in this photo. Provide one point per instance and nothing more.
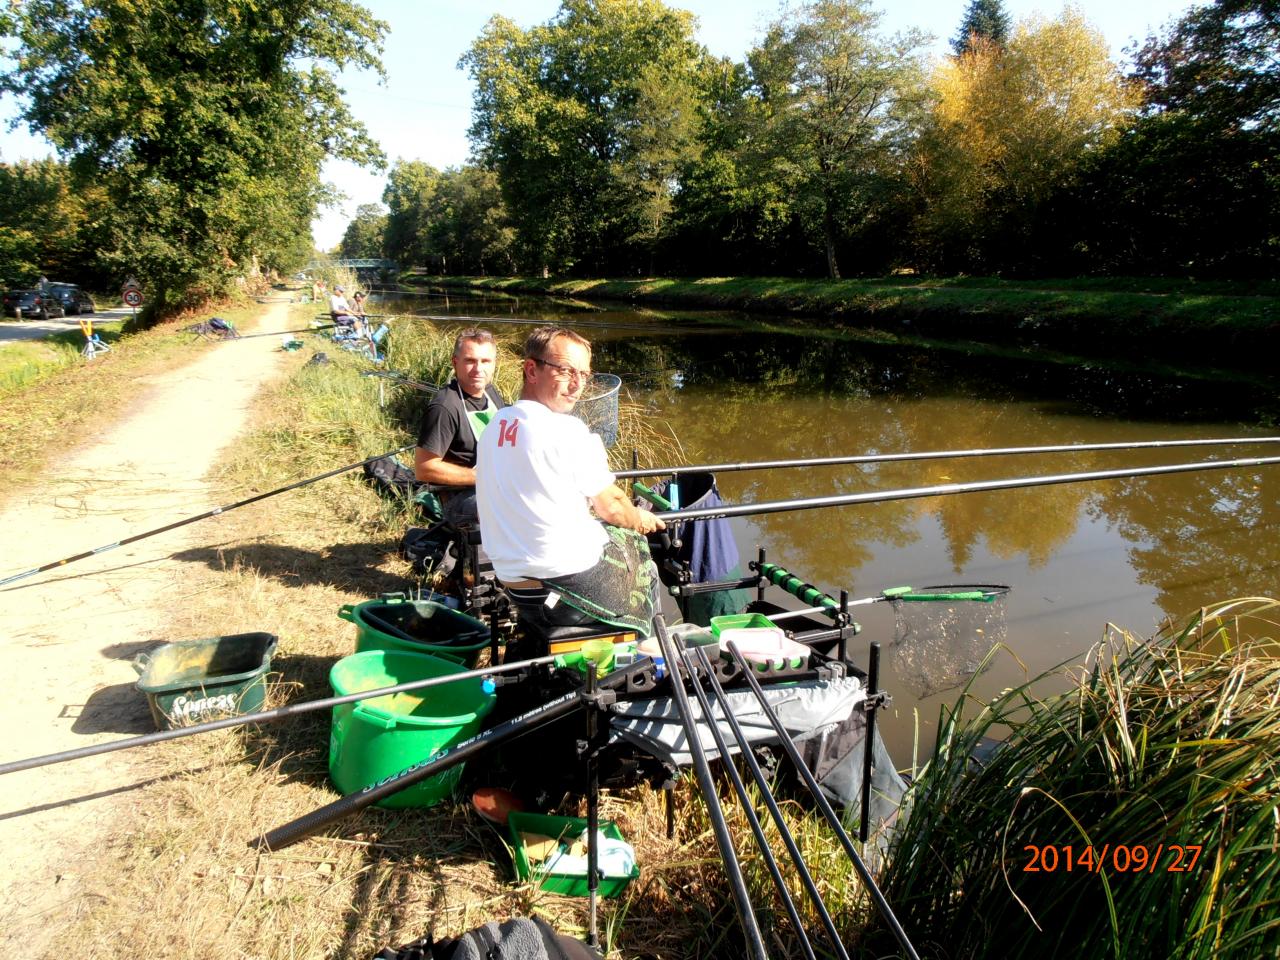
(539, 474)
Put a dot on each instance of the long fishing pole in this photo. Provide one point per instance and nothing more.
(277, 333)
(933, 455)
(753, 821)
(263, 716)
(216, 511)
(524, 322)
(745, 751)
(401, 379)
(304, 826)
(947, 489)
(828, 814)
(737, 883)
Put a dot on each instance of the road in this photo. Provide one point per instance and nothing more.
(11, 331)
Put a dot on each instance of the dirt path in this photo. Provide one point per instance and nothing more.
(69, 636)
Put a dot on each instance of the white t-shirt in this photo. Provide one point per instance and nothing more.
(535, 473)
(338, 304)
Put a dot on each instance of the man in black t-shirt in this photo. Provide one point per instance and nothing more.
(454, 420)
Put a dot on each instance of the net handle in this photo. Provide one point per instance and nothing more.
(949, 593)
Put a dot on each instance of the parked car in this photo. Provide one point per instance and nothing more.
(74, 300)
(32, 304)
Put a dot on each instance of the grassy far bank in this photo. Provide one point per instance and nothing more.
(1222, 323)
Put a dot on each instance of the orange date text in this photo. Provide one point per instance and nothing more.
(1114, 858)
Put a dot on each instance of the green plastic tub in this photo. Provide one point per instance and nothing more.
(564, 829)
(433, 628)
(191, 681)
(371, 740)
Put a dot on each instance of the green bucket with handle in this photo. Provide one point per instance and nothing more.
(395, 622)
(371, 740)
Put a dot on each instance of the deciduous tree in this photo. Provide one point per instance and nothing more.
(585, 120)
(205, 120)
(834, 109)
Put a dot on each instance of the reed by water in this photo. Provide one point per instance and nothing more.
(1136, 816)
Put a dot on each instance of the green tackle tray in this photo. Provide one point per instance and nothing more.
(562, 828)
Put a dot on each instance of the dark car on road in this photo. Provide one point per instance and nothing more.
(33, 304)
(74, 299)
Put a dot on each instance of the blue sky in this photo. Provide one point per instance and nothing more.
(423, 111)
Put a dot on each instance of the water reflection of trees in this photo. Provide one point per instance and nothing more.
(1200, 537)
(1195, 536)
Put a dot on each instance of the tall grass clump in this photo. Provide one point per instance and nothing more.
(1155, 783)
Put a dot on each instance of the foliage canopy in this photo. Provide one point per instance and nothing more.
(205, 123)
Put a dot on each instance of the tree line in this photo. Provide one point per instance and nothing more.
(190, 136)
(608, 142)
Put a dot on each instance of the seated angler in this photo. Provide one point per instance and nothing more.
(539, 474)
(454, 421)
(340, 311)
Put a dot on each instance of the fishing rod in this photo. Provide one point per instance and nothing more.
(280, 333)
(946, 489)
(724, 840)
(753, 821)
(523, 322)
(824, 806)
(933, 455)
(263, 716)
(304, 826)
(216, 511)
(401, 379)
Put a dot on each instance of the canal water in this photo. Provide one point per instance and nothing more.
(1078, 557)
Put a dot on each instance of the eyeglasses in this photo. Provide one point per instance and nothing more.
(564, 373)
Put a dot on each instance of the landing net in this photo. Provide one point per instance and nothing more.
(942, 634)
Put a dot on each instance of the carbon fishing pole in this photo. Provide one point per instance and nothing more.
(724, 840)
(304, 826)
(753, 821)
(401, 379)
(947, 489)
(747, 754)
(932, 455)
(518, 321)
(828, 814)
(216, 511)
(263, 716)
(278, 333)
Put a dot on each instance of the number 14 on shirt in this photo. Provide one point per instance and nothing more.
(507, 432)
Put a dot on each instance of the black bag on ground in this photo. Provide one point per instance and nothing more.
(424, 547)
(516, 939)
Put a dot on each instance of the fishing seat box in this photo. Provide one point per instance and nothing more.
(192, 681)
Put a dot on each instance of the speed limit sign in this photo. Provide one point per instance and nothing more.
(133, 297)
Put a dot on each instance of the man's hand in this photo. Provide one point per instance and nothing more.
(612, 506)
(648, 522)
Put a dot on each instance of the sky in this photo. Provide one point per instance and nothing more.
(424, 109)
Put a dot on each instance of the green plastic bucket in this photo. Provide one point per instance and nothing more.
(432, 628)
(191, 681)
(371, 740)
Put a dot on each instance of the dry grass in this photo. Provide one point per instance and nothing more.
(181, 880)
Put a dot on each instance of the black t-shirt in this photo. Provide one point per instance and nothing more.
(444, 428)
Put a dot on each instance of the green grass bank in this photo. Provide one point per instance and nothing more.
(1225, 324)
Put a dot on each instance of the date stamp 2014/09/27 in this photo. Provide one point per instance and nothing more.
(1120, 858)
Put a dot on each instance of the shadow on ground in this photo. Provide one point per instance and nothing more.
(347, 566)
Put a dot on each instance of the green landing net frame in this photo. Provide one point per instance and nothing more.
(943, 633)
